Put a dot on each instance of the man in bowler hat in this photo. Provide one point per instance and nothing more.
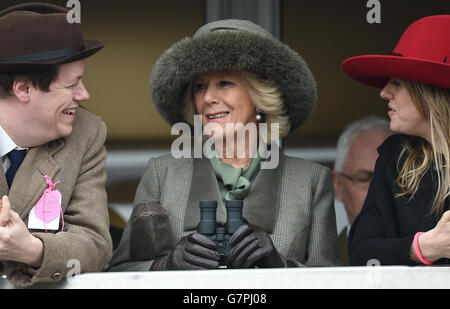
(53, 209)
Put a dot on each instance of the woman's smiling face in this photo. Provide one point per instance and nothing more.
(222, 97)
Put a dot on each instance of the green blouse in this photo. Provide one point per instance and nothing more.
(235, 183)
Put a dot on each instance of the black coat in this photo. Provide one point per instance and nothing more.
(386, 225)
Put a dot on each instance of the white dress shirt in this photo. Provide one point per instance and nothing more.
(7, 145)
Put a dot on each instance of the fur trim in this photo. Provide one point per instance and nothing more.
(264, 56)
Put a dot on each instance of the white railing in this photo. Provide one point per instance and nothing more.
(370, 277)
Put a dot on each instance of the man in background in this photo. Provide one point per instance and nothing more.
(354, 167)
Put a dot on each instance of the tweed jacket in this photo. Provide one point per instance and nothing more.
(293, 203)
(77, 162)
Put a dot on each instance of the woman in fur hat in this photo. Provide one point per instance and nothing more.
(406, 219)
(232, 73)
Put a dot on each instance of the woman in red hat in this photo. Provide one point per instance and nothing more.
(405, 219)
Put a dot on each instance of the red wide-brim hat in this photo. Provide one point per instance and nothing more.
(422, 55)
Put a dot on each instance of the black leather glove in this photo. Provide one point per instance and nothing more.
(252, 247)
(194, 251)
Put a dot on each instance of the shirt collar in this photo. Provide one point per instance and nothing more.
(349, 226)
(6, 143)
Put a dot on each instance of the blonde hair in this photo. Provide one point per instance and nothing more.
(265, 97)
(434, 103)
(269, 100)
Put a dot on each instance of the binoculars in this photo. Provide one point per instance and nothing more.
(219, 233)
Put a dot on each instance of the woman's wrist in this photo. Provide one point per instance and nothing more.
(412, 253)
(427, 246)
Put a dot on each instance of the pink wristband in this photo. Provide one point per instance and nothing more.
(417, 249)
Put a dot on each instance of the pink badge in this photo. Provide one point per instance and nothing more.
(48, 206)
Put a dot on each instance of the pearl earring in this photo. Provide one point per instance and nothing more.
(258, 117)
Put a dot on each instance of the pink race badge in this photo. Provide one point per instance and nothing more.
(48, 207)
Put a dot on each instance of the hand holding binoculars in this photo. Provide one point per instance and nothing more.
(234, 244)
(219, 233)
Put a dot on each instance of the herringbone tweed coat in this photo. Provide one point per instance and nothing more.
(293, 203)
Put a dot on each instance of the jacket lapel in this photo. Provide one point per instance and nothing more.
(29, 182)
(3, 185)
(203, 187)
(260, 206)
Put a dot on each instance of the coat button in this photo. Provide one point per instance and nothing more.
(56, 276)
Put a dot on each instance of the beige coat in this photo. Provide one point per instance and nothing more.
(78, 163)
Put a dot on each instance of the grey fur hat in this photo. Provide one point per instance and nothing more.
(232, 44)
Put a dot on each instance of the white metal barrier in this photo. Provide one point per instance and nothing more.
(370, 277)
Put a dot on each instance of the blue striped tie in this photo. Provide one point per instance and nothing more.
(16, 157)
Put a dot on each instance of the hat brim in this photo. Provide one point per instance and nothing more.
(266, 57)
(376, 70)
(90, 48)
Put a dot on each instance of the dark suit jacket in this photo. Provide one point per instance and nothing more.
(294, 203)
(78, 163)
(343, 247)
